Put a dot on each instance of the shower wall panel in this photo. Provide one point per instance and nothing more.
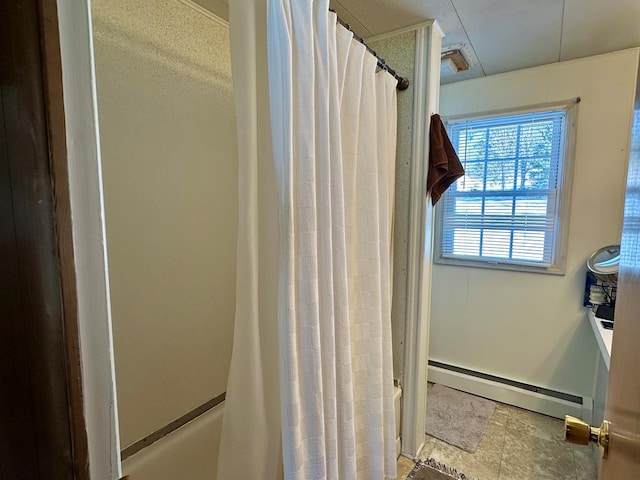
(167, 127)
(399, 52)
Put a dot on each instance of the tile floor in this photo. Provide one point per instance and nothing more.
(517, 445)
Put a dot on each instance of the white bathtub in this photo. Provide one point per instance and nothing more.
(191, 452)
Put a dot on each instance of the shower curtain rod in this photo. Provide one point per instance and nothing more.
(403, 83)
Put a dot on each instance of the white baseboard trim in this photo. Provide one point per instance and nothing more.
(518, 397)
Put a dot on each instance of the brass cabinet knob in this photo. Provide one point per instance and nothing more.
(581, 433)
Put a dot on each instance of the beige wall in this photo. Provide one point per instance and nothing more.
(525, 326)
(399, 51)
(167, 130)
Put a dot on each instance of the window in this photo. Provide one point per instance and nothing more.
(509, 210)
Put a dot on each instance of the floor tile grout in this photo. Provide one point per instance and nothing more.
(534, 450)
(575, 462)
(504, 439)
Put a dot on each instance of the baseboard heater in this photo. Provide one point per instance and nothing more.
(511, 392)
(512, 383)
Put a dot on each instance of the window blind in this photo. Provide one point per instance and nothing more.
(506, 207)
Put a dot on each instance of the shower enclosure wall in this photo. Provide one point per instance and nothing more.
(167, 128)
(169, 159)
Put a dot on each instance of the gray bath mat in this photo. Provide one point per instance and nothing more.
(456, 417)
(429, 469)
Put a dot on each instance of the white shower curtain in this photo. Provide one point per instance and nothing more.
(314, 256)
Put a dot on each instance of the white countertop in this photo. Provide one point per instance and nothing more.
(604, 337)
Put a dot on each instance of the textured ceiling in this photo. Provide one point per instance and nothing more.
(506, 35)
(501, 35)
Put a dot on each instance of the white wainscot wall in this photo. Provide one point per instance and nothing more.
(531, 327)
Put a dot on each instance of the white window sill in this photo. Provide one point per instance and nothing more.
(553, 270)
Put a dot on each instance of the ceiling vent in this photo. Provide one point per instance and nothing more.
(454, 59)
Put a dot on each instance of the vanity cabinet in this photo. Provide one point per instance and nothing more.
(604, 339)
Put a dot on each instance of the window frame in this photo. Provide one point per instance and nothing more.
(565, 180)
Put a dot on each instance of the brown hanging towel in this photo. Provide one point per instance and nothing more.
(444, 164)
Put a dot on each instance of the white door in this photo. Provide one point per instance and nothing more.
(623, 400)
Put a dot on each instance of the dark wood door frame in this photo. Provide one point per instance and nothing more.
(43, 434)
(54, 100)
